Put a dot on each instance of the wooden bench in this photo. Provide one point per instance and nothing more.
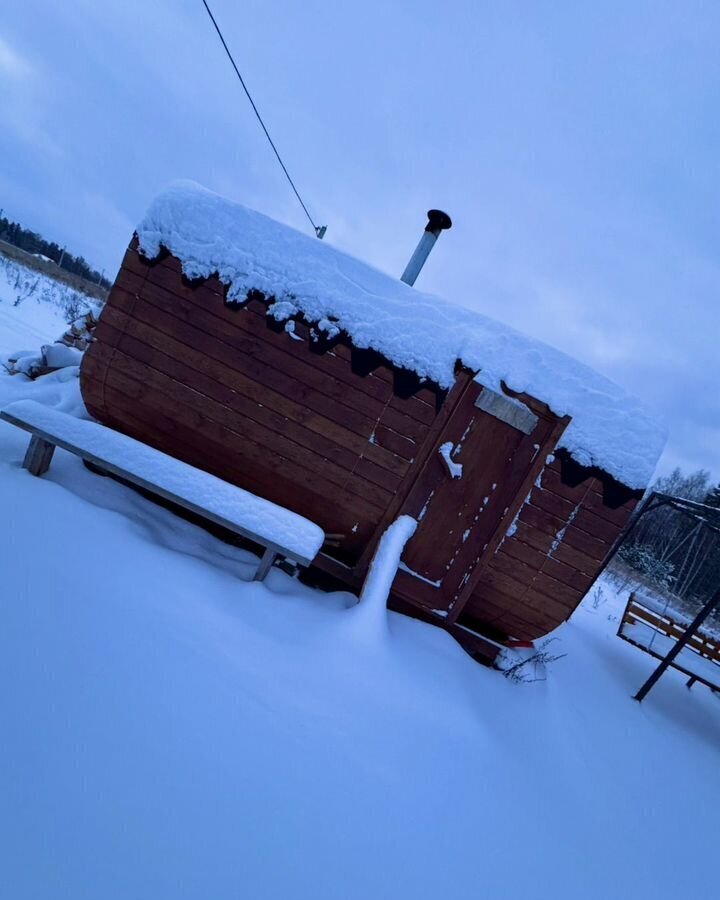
(281, 532)
(646, 625)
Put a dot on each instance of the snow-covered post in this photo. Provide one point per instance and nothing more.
(372, 606)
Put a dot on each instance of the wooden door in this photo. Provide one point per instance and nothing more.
(496, 440)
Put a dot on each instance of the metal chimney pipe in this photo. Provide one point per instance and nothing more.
(437, 221)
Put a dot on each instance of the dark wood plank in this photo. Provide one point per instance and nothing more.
(538, 580)
(244, 330)
(425, 452)
(539, 562)
(506, 613)
(227, 342)
(317, 440)
(542, 521)
(158, 391)
(255, 379)
(563, 552)
(591, 493)
(386, 431)
(421, 406)
(526, 468)
(282, 486)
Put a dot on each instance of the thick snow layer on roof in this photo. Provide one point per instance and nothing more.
(419, 331)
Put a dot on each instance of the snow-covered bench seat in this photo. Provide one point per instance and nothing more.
(279, 531)
(655, 629)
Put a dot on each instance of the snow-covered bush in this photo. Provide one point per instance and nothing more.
(642, 559)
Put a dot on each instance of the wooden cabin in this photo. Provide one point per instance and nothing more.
(512, 530)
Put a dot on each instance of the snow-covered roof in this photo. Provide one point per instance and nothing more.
(209, 234)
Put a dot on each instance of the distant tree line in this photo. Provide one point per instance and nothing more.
(675, 550)
(32, 242)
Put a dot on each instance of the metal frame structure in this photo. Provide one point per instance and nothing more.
(708, 517)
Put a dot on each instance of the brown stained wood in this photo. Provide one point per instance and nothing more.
(387, 435)
(424, 396)
(480, 649)
(451, 510)
(136, 263)
(421, 406)
(529, 596)
(544, 438)
(701, 642)
(586, 543)
(526, 628)
(248, 333)
(523, 552)
(563, 552)
(591, 492)
(245, 428)
(134, 352)
(538, 580)
(335, 362)
(578, 581)
(619, 516)
(282, 486)
(552, 481)
(583, 518)
(226, 342)
(415, 590)
(167, 426)
(241, 372)
(535, 559)
(378, 384)
(555, 505)
(504, 613)
(425, 452)
(196, 412)
(504, 606)
(594, 526)
(255, 399)
(553, 525)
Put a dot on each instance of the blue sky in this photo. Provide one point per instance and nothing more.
(575, 144)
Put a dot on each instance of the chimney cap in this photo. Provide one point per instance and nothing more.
(438, 221)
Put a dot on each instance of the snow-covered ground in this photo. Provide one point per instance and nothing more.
(34, 308)
(170, 730)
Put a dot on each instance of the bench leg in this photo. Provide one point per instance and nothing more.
(38, 456)
(268, 558)
(691, 681)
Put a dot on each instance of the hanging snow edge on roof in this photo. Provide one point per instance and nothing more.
(609, 429)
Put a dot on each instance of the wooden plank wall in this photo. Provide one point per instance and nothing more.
(177, 368)
(545, 567)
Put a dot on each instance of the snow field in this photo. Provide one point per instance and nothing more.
(32, 308)
(170, 729)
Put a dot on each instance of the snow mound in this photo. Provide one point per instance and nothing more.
(418, 331)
